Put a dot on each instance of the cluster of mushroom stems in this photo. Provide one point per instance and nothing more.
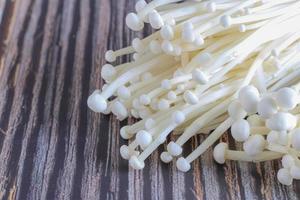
(211, 66)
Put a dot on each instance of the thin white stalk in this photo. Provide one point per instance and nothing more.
(201, 121)
(242, 156)
(210, 140)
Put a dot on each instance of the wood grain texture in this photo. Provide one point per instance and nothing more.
(53, 147)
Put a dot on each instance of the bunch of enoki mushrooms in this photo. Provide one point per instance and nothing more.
(210, 66)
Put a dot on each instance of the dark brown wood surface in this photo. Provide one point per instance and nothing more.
(53, 147)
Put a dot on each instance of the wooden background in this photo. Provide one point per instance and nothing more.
(53, 147)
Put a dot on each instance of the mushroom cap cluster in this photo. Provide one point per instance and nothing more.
(278, 128)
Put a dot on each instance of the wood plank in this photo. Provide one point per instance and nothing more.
(53, 147)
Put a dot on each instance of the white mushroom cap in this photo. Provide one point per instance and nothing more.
(126, 153)
(166, 84)
(204, 58)
(155, 20)
(273, 137)
(183, 165)
(188, 25)
(296, 139)
(211, 6)
(295, 172)
(190, 97)
(167, 32)
(178, 117)
(166, 157)
(174, 149)
(163, 104)
(167, 46)
(119, 110)
(145, 99)
(287, 161)
(226, 21)
(286, 98)
(110, 56)
(140, 5)
(96, 102)
(108, 72)
(134, 22)
(124, 134)
(281, 122)
(266, 107)
(188, 32)
(254, 145)
(249, 97)
(135, 163)
(124, 92)
(284, 177)
(220, 152)
(143, 138)
(200, 76)
(240, 130)
(172, 95)
(137, 45)
(236, 111)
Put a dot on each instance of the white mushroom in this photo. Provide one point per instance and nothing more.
(281, 121)
(240, 130)
(284, 177)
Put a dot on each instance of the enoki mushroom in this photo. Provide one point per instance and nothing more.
(211, 66)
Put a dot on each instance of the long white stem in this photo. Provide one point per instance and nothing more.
(242, 156)
(201, 121)
(212, 138)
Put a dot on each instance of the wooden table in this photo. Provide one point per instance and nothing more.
(53, 147)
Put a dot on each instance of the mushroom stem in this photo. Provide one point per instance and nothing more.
(201, 121)
(282, 149)
(212, 138)
(261, 157)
